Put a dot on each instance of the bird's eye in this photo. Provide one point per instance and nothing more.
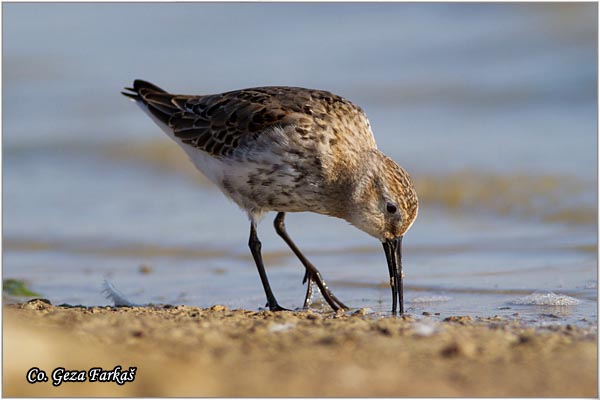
(391, 208)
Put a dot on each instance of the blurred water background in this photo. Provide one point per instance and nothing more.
(492, 108)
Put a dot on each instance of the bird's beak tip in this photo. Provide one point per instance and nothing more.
(393, 254)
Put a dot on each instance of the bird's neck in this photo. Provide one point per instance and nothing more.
(352, 183)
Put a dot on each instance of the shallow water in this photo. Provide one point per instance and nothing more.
(503, 156)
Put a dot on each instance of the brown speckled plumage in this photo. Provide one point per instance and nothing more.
(220, 123)
(288, 149)
(302, 149)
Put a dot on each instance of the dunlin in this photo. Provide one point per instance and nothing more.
(289, 149)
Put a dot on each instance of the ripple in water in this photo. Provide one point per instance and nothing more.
(546, 299)
(430, 299)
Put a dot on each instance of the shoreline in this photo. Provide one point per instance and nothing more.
(218, 352)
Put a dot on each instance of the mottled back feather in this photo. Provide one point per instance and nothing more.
(220, 123)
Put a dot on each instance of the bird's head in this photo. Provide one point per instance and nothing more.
(384, 200)
(384, 205)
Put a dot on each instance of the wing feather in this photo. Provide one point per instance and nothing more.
(220, 123)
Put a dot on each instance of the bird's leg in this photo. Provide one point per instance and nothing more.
(255, 247)
(311, 272)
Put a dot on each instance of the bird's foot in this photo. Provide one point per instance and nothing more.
(276, 307)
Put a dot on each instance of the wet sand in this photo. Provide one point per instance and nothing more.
(190, 351)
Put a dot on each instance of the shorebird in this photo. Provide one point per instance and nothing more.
(290, 149)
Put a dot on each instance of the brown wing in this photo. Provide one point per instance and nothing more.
(220, 123)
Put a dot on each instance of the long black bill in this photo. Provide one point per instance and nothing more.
(393, 254)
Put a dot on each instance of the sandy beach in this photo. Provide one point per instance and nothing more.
(190, 351)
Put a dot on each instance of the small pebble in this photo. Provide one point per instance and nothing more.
(37, 304)
(361, 311)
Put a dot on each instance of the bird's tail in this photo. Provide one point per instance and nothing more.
(154, 100)
(138, 86)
